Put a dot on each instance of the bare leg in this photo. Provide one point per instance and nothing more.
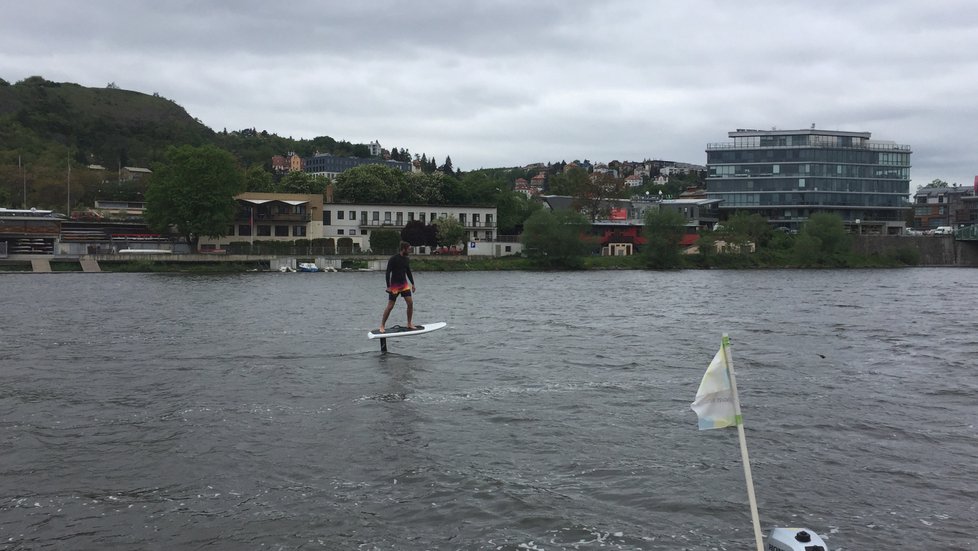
(387, 313)
(410, 311)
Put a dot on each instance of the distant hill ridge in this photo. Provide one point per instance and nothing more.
(44, 124)
(113, 127)
(98, 125)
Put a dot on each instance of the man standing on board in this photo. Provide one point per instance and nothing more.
(400, 281)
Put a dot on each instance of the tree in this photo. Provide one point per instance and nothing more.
(447, 167)
(743, 227)
(664, 228)
(592, 197)
(258, 179)
(426, 189)
(512, 209)
(823, 241)
(384, 241)
(419, 234)
(372, 184)
(555, 239)
(450, 232)
(570, 182)
(301, 182)
(193, 191)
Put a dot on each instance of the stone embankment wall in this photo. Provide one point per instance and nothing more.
(936, 250)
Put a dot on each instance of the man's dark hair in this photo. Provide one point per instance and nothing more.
(404, 245)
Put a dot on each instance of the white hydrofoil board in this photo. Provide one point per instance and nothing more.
(398, 331)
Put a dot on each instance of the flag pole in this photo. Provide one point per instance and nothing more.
(745, 459)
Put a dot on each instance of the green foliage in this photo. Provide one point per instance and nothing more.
(193, 191)
(384, 241)
(823, 241)
(571, 182)
(450, 231)
(106, 126)
(46, 122)
(419, 234)
(258, 179)
(742, 228)
(555, 239)
(474, 188)
(664, 229)
(427, 189)
(512, 209)
(592, 198)
(301, 182)
(372, 184)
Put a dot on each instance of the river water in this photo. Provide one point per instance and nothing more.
(164, 411)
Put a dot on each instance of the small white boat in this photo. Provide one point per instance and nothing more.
(308, 267)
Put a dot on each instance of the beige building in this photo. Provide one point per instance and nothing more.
(274, 217)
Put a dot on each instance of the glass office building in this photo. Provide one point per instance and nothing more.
(788, 175)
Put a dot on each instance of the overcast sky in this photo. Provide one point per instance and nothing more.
(510, 82)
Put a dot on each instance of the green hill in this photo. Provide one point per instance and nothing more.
(45, 126)
(105, 126)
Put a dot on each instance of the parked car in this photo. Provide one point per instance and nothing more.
(943, 230)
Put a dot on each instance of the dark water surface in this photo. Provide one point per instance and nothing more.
(149, 411)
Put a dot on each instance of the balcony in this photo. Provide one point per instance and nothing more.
(365, 224)
(280, 217)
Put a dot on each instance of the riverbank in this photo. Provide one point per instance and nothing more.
(866, 252)
(470, 264)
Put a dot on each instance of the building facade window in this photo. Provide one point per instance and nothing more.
(808, 171)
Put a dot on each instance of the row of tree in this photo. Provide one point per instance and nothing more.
(560, 240)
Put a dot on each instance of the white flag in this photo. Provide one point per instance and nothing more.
(714, 404)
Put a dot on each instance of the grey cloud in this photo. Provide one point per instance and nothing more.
(506, 82)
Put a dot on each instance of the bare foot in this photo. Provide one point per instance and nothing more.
(412, 327)
(381, 330)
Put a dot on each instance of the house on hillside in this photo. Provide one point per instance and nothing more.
(523, 186)
(133, 173)
(538, 182)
